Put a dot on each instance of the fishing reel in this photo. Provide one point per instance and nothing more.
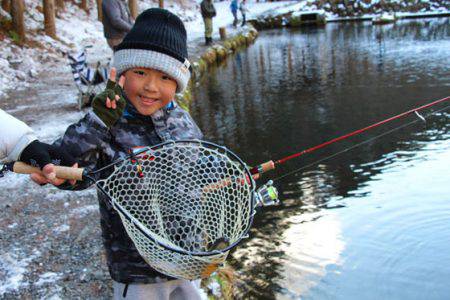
(3, 169)
(266, 195)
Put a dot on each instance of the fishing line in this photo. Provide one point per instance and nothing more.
(360, 144)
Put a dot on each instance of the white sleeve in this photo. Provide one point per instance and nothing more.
(15, 135)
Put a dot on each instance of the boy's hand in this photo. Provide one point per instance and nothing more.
(45, 156)
(44, 179)
(109, 104)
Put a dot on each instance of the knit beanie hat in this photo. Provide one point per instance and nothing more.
(156, 41)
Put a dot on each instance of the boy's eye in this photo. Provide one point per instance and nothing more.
(139, 72)
(165, 77)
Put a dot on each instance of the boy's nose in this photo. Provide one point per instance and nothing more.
(150, 84)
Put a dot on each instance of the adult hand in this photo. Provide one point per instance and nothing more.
(109, 104)
(45, 157)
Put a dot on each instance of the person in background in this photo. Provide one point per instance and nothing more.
(234, 9)
(243, 8)
(19, 143)
(208, 13)
(117, 21)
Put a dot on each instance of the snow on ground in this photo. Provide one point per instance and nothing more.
(48, 278)
(80, 212)
(50, 130)
(13, 269)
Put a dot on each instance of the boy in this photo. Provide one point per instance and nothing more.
(152, 64)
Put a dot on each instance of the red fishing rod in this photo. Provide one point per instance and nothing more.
(269, 165)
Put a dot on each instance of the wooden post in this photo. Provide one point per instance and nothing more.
(132, 4)
(99, 10)
(49, 18)
(6, 5)
(17, 9)
(161, 3)
(223, 33)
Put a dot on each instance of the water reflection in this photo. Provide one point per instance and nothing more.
(297, 88)
(308, 244)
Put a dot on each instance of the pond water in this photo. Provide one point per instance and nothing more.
(372, 222)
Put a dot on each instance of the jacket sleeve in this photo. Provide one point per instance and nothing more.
(88, 141)
(112, 12)
(15, 135)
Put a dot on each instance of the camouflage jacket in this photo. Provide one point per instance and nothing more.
(94, 146)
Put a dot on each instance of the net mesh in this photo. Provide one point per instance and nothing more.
(182, 204)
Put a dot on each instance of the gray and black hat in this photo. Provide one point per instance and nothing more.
(157, 41)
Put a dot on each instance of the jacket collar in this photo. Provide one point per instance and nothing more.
(157, 119)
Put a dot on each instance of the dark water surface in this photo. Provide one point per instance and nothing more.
(373, 222)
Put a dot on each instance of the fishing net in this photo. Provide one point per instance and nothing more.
(184, 205)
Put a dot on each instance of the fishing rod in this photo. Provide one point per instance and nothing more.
(270, 165)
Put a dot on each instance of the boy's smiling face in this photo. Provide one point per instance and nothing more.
(148, 89)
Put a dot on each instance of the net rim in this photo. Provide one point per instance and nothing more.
(202, 143)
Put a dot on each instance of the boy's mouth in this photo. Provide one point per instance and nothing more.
(146, 100)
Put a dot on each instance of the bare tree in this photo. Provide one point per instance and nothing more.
(61, 5)
(6, 5)
(133, 8)
(99, 10)
(17, 9)
(84, 5)
(49, 18)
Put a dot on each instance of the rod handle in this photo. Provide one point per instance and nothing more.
(264, 167)
(61, 172)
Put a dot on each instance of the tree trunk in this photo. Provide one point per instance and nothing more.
(60, 5)
(49, 18)
(161, 3)
(99, 10)
(6, 5)
(17, 9)
(84, 5)
(133, 8)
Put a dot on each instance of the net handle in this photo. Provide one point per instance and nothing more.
(61, 171)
